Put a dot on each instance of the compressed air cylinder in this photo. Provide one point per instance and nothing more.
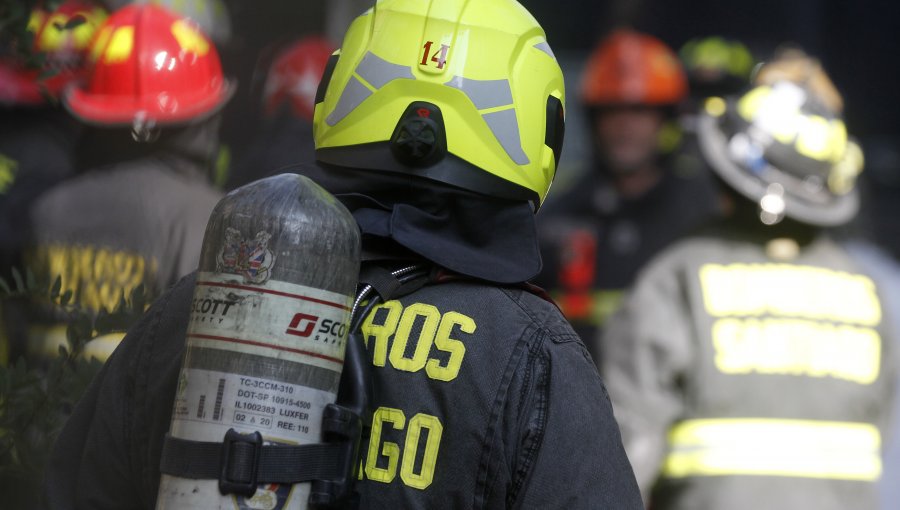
(268, 328)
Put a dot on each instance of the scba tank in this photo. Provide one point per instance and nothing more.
(268, 329)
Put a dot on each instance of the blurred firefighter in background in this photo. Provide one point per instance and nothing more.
(285, 135)
(214, 19)
(37, 138)
(151, 113)
(630, 205)
(751, 366)
(716, 67)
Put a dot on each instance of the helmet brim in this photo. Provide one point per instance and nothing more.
(829, 210)
(109, 111)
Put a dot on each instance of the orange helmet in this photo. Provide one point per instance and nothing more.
(61, 38)
(294, 77)
(633, 68)
(150, 67)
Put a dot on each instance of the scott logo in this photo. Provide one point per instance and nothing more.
(302, 325)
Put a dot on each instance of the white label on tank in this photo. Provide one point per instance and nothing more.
(280, 411)
(261, 358)
(276, 319)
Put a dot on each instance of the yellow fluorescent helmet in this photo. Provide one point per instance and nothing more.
(464, 92)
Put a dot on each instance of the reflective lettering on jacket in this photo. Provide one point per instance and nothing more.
(97, 277)
(421, 339)
(793, 320)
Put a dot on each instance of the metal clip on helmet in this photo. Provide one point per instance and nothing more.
(149, 68)
(784, 145)
(463, 92)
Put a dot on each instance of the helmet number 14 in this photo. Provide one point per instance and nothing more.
(439, 56)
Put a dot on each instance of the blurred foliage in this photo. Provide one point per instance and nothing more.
(15, 39)
(37, 396)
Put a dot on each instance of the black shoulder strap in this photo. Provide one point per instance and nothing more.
(391, 284)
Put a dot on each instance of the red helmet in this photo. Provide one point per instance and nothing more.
(629, 67)
(294, 77)
(212, 15)
(61, 37)
(150, 67)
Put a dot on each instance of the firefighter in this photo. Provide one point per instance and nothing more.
(37, 137)
(439, 125)
(631, 203)
(284, 136)
(136, 213)
(750, 366)
(215, 20)
(715, 66)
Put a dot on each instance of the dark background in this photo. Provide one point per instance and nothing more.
(857, 40)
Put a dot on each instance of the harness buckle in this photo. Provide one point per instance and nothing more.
(239, 463)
